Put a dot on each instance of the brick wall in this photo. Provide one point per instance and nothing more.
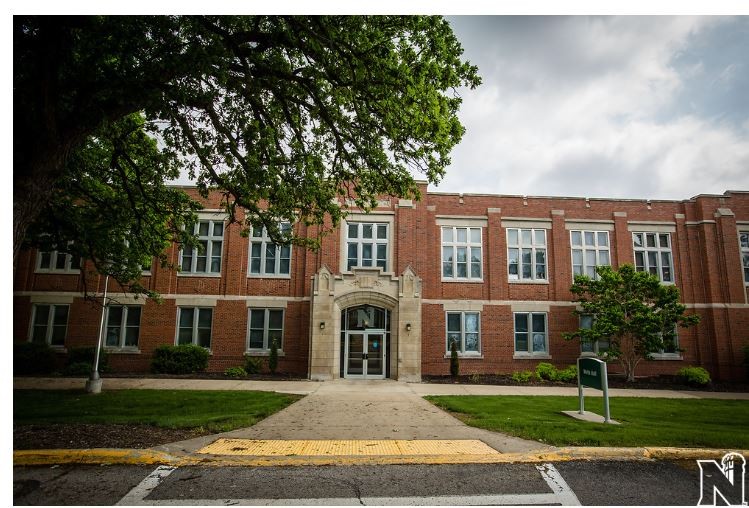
(706, 263)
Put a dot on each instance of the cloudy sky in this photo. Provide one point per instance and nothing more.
(626, 107)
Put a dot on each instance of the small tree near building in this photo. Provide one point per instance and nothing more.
(633, 310)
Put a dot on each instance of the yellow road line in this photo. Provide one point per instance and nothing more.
(349, 448)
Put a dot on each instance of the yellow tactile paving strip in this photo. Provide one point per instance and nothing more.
(315, 448)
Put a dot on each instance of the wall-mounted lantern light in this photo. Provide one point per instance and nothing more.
(322, 325)
(408, 327)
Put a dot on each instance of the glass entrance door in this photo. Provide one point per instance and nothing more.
(365, 355)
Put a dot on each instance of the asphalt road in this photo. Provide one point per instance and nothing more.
(588, 483)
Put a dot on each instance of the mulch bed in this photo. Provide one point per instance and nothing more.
(86, 435)
(650, 383)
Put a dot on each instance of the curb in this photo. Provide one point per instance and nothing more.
(117, 456)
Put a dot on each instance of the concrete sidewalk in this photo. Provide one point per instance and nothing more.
(305, 387)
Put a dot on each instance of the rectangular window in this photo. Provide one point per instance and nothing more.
(671, 345)
(464, 329)
(744, 242)
(123, 326)
(530, 333)
(49, 324)
(653, 255)
(266, 257)
(596, 347)
(589, 250)
(264, 326)
(194, 326)
(206, 259)
(56, 262)
(367, 245)
(461, 253)
(526, 254)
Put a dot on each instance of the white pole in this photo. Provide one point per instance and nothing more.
(580, 389)
(93, 385)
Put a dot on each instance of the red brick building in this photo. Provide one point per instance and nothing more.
(389, 290)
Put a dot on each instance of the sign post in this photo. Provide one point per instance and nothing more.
(592, 372)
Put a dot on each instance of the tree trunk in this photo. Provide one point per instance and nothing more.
(33, 185)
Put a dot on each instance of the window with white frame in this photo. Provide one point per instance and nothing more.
(205, 260)
(266, 257)
(367, 245)
(464, 328)
(592, 346)
(123, 326)
(49, 324)
(744, 242)
(670, 347)
(461, 253)
(57, 262)
(526, 254)
(194, 326)
(264, 327)
(590, 249)
(653, 254)
(531, 336)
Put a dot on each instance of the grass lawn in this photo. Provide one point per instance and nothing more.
(709, 423)
(215, 411)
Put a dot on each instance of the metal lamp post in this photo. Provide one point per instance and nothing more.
(93, 385)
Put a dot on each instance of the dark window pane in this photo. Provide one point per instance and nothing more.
(41, 316)
(256, 339)
(521, 322)
(131, 336)
(275, 319)
(186, 315)
(61, 315)
(58, 335)
(453, 322)
(204, 337)
(257, 319)
(521, 342)
(185, 336)
(114, 315)
(133, 316)
(204, 318)
(113, 336)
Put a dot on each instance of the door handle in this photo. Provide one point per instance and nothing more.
(365, 356)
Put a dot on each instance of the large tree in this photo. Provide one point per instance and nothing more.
(284, 115)
(633, 311)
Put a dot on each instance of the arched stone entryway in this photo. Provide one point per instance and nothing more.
(399, 297)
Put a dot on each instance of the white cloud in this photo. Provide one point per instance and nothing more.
(572, 106)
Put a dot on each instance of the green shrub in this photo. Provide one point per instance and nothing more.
(85, 355)
(77, 369)
(273, 357)
(547, 371)
(253, 365)
(454, 362)
(235, 372)
(182, 359)
(475, 378)
(523, 376)
(568, 375)
(33, 358)
(694, 375)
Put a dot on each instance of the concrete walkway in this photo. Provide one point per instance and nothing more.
(305, 387)
(363, 410)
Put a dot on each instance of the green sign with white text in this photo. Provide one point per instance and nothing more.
(591, 372)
